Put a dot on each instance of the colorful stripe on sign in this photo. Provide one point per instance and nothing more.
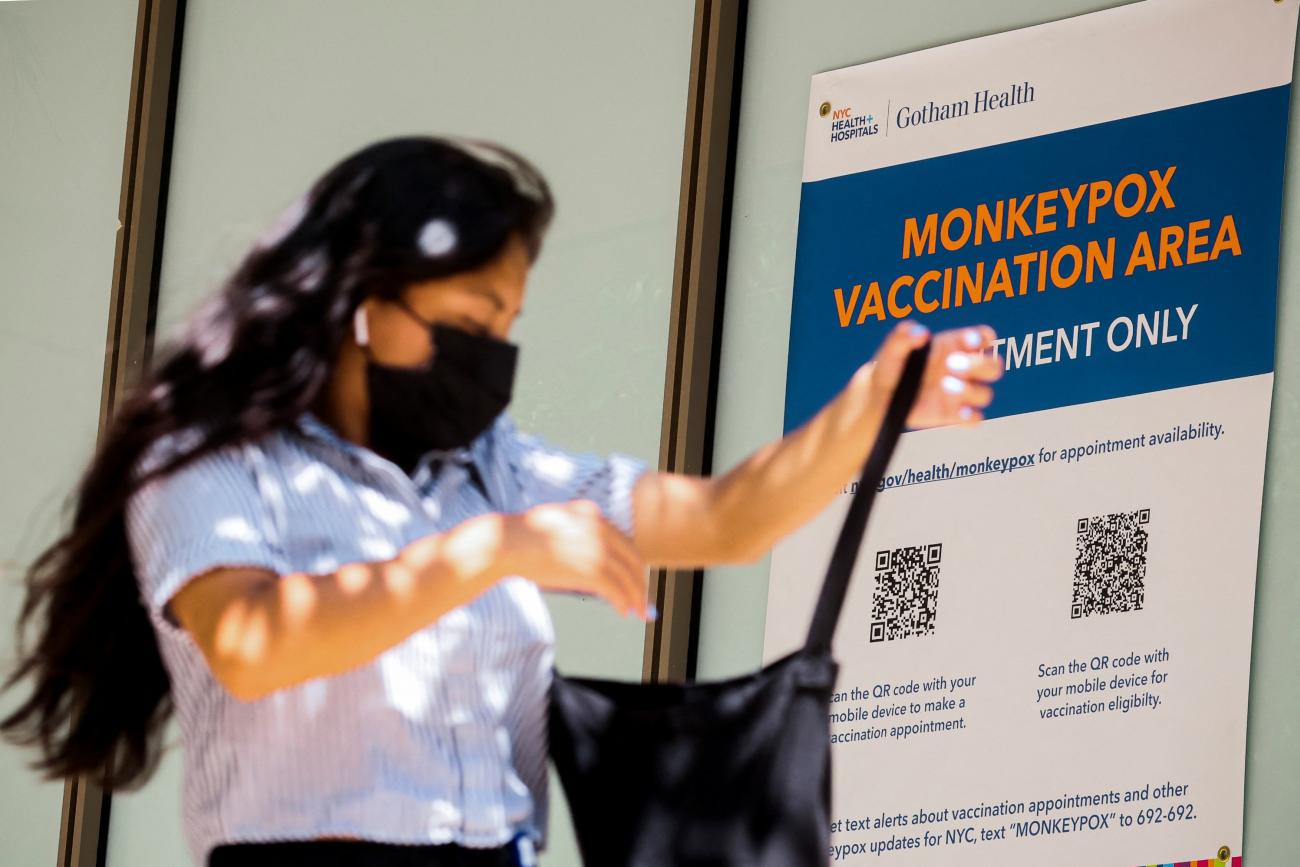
(1208, 862)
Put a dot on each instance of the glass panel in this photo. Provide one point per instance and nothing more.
(785, 44)
(65, 81)
(271, 94)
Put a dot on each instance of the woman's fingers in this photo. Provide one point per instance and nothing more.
(905, 337)
(619, 572)
(975, 338)
(581, 551)
(613, 571)
(892, 354)
(976, 395)
(976, 366)
(964, 393)
(957, 385)
(628, 571)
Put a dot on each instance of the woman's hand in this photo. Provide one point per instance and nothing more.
(955, 388)
(737, 517)
(571, 547)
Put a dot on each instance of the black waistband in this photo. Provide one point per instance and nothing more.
(357, 853)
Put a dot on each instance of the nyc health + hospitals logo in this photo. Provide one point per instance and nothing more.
(845, 124)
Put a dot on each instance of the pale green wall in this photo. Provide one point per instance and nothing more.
(65, 71)
(786, 44)
(271, 94)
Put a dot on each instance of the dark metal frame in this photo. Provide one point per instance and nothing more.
(133, 302)
(694, 336)
(694, 331)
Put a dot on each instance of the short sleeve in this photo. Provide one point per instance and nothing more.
(548, 474)
(208, 514)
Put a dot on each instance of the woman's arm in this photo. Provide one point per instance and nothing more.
(689, 521)
(261, 632)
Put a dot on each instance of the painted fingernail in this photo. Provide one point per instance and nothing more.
(959, 362)
(918, 329)
(966, 413)
(953, 385)
(653, 612)
(972, 338)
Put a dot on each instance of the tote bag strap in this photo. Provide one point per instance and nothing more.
(836, 584)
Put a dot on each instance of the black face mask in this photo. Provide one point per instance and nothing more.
(444, 405)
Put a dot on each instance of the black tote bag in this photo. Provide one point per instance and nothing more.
(734, 773)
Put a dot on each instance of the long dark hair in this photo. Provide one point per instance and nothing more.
(253, 359)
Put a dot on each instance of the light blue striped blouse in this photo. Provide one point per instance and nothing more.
(440, 739)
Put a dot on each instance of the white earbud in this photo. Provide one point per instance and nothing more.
(360, 330)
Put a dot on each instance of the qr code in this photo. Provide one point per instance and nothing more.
(1110, 564)
(906, 597)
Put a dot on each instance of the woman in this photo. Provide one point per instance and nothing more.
(313, 533)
